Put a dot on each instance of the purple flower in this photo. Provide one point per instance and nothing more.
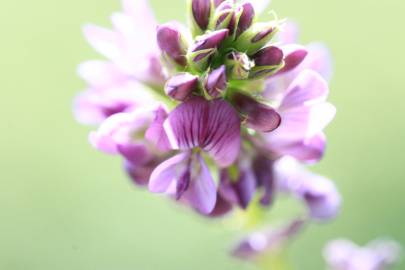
(98, 103)
(377, 255)
(115, 85)
(136, 23)
(223, 125)
(319, 193)
(304, 114)
(118, 135)
(268, 242)
(197, 124)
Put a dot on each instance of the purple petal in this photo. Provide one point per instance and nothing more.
(259, 116)
(202, 192)
(101, 74)
(238, 191)
(119, 130)
(181, 86)
(137, 153)
(216, 81)
(95, 105)
(156, 133)
(166, 174)
(106, 42)
(212, 125)
(201, 12)
(308, 88)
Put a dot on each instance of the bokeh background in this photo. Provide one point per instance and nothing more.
(65, 206)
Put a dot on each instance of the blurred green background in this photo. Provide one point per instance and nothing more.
(65, 206)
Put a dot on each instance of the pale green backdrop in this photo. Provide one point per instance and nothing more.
(64, 206)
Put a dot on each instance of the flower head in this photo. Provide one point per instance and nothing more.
(204, 114)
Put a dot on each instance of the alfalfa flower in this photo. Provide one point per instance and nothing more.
(191, 110)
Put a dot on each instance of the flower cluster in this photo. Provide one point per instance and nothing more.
(218, 116)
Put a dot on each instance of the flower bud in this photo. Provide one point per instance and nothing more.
(216, 82)
(181, 86)
(255, 38)
(225, 17)
(294, 55)
(267, 62)
(238, 65)
(259, 116)
(172, 43)
(246, 17)
(210, 41)
(200, 60)
(201, 11)
(200, 54)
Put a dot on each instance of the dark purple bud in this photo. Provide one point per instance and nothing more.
(201, 12)
(225, 17)
(270, 56)
(262, 34)
(171, 43)
(181, 86)
(246, 18)
(259, 116)
(216, 82)
(294, 55)
(211, 40)
(258, 35)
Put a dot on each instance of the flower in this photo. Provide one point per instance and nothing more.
(380, 254)
(204, 113)
(122, 82)
(317, 192)
(267, 242)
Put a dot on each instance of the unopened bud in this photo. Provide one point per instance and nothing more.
(181, 86)
(256, 37)
(267, 61)
(259, 116)
(201, 12)
(294, 55)
(246, 17)
(216, 82)
(172, 44)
